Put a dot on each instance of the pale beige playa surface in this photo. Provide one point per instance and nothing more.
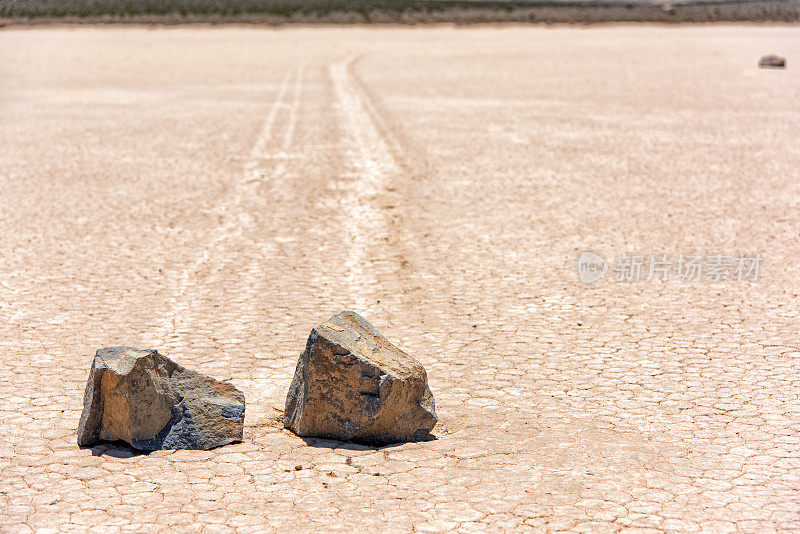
(214, 193)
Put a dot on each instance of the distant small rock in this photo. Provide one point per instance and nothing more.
(772, 62)
(352, 384)
(151, 402)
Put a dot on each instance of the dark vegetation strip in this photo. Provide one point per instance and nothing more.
(392, 11)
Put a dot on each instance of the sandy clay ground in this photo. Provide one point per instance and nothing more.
(214, 193)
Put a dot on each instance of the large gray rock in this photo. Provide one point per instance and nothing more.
(146, 399)
(351, 384)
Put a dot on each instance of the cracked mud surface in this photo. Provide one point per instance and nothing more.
(214, 193)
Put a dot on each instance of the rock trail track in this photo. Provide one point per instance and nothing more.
(215, 192)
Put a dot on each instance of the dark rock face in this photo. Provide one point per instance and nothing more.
(772, 62)
(351, 384)
(146, 399)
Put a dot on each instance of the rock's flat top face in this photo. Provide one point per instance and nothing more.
(351, 331)
(351, 383)
(149, 401)
(120, 359)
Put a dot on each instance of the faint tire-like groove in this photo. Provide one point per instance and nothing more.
(233, 214)
(370, 165)
(273, 178)
(393, 184)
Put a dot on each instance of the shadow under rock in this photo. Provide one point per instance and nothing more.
(361, 446)
(116, 449)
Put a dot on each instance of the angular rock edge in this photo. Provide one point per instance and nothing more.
(151, 402)
(352, 384)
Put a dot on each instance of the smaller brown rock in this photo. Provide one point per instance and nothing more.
(772, 62)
